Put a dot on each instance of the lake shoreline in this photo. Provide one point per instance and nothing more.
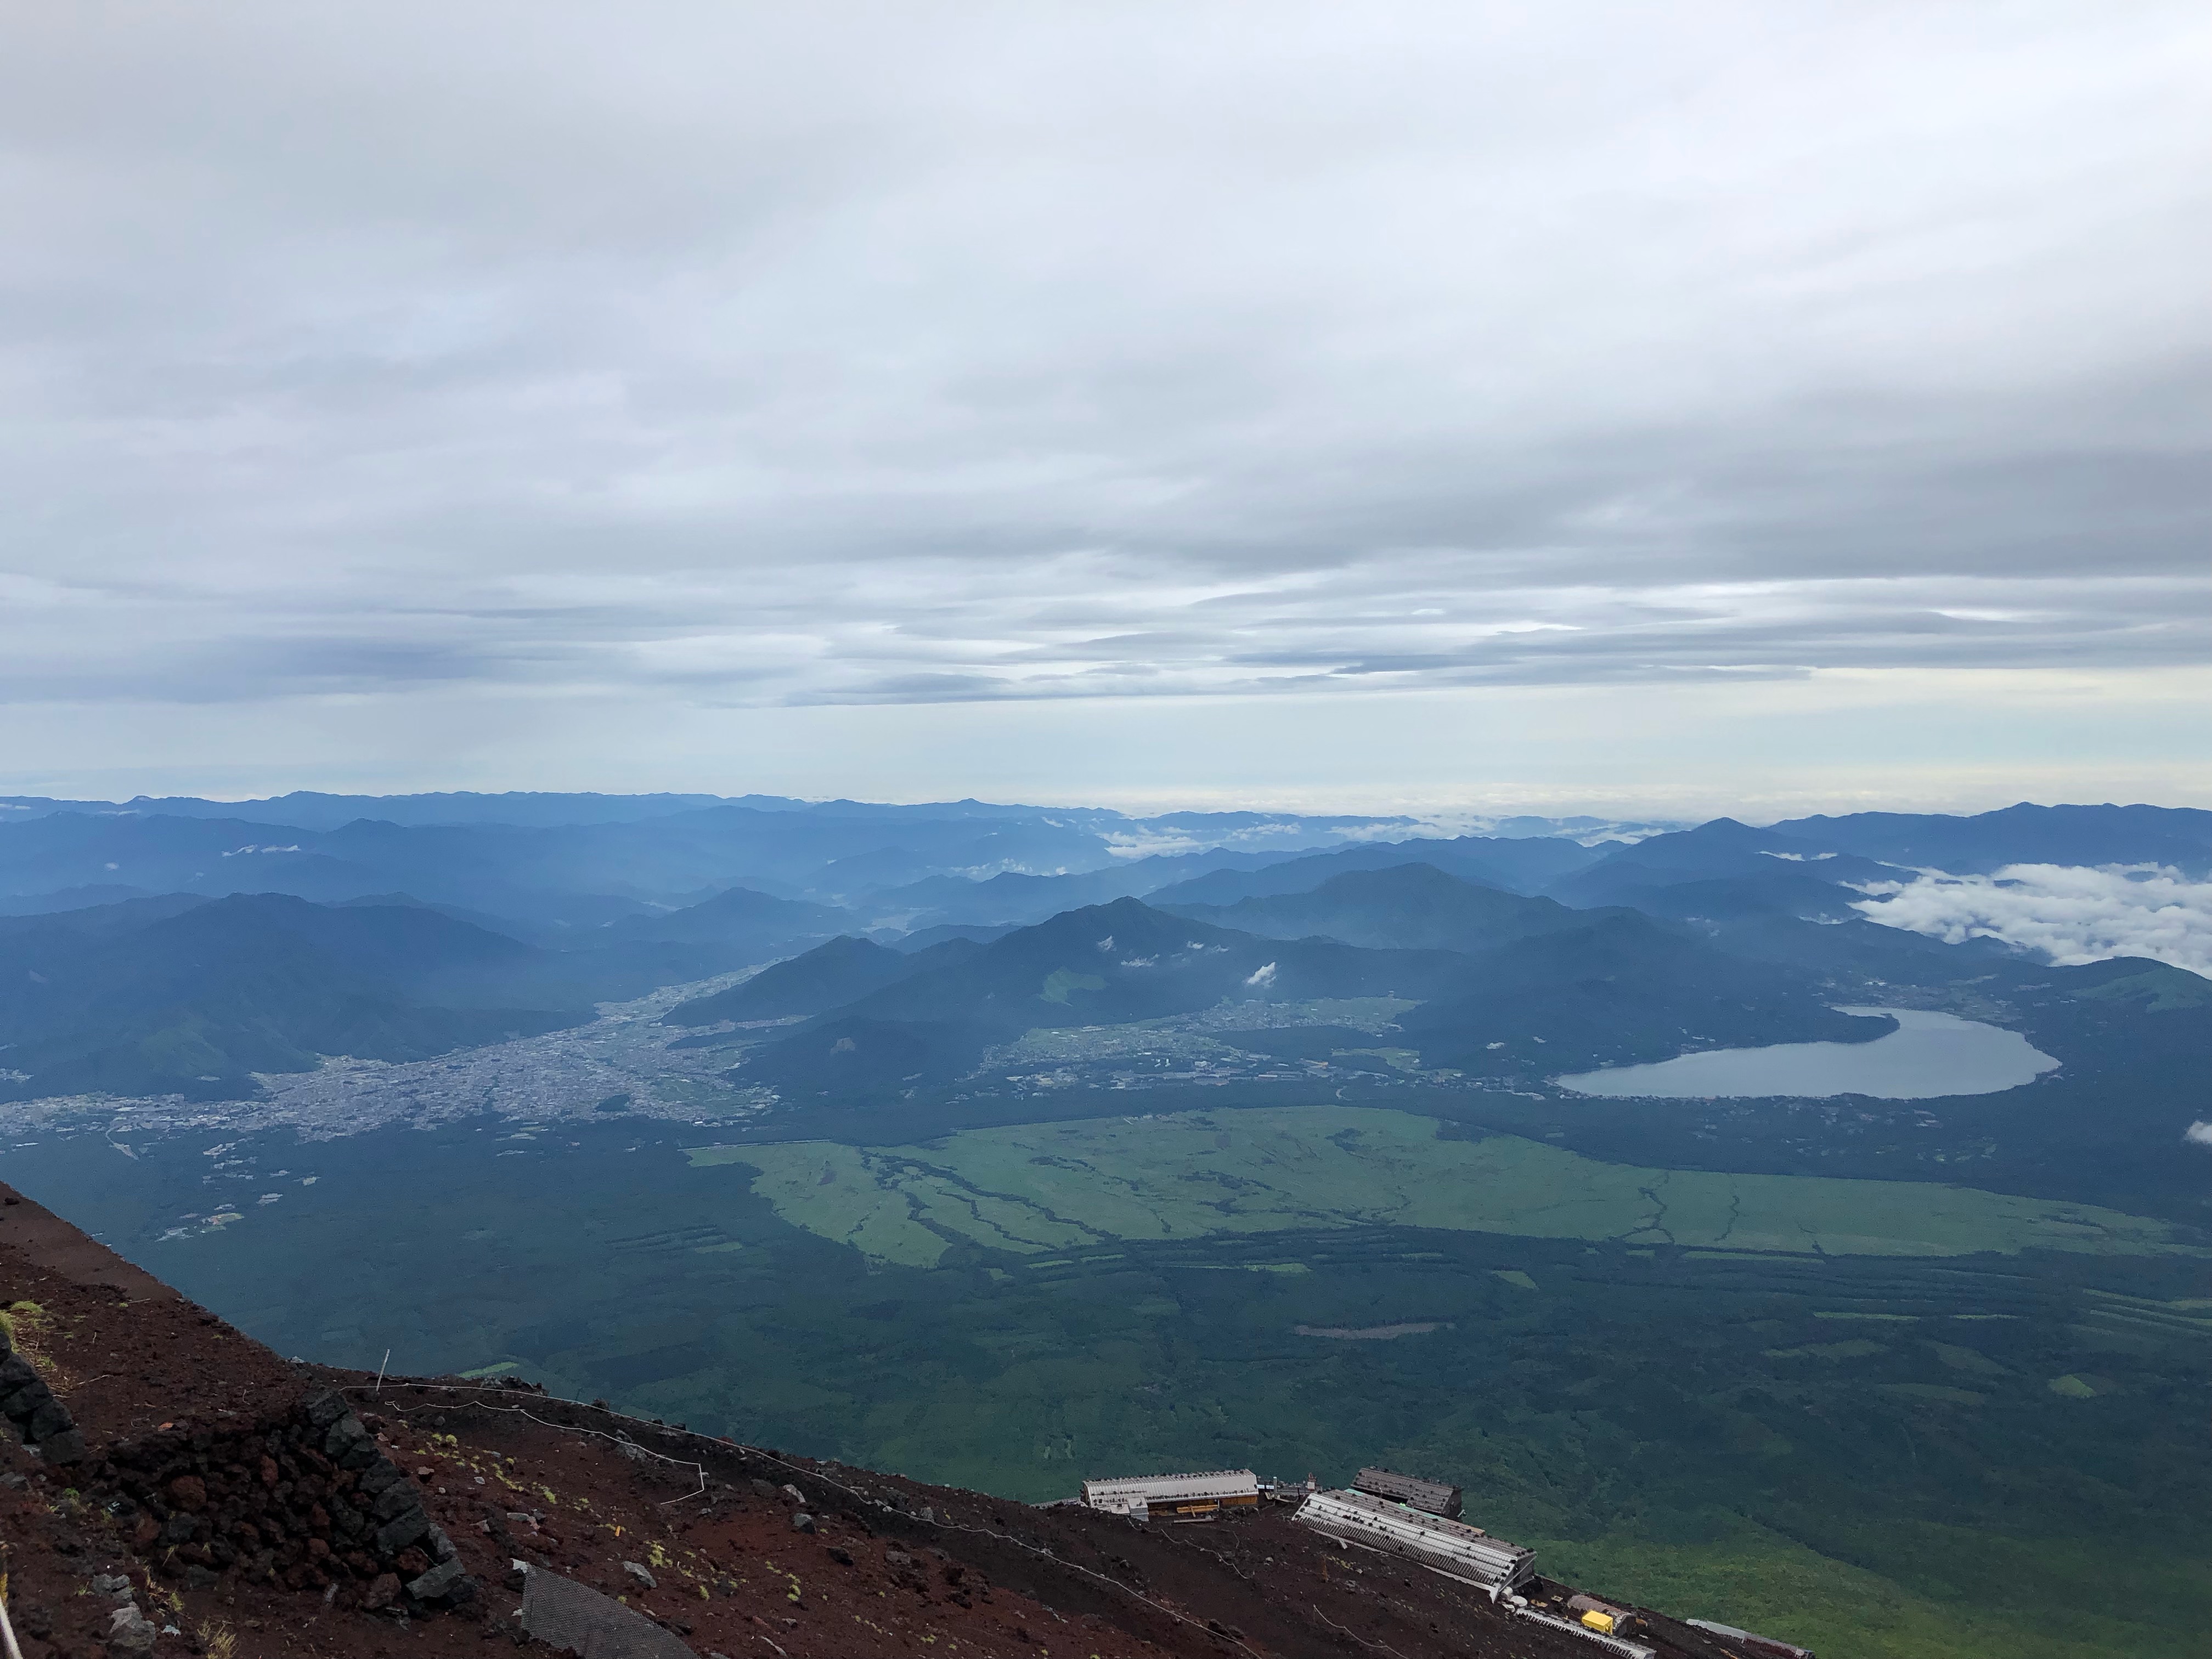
(1928, 1056)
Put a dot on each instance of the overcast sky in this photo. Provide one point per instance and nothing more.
(1648, 406)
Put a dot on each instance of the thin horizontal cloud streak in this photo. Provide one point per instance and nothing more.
(784, 635)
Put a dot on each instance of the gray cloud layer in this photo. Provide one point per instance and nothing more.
(881, 354)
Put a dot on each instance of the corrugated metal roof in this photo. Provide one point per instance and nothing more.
(1135, 1492)
(1434, 1496)
(1448, 1546)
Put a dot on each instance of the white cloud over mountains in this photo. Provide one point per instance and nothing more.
(2072, 913)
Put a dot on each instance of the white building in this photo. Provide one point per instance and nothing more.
(1175, 1496)
(1451, 1547)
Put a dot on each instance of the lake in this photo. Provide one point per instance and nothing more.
(1927, 1056)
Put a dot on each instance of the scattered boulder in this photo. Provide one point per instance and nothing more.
(26, 1401)
(638, 1571)
(442, 1584)
(130, 1631)
(571, 1618)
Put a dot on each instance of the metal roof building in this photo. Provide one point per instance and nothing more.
(1172, 1495)
(1451, 1547)
(1433, 1496)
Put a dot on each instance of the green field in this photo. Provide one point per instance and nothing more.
(1769, 1582)
(1040, 1189)
(1885, 1456)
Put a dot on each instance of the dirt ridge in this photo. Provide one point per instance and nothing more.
(231, 1503)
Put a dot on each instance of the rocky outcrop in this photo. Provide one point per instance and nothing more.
(43, 1421)
(310, 1502)
(571, 1618)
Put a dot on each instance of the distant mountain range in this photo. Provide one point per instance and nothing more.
(567, 864)
(1721, 848)
(842, 971)
(160, 996)
(1042, 1143)
(1502, 982)
(167, 946)
(192, 996)
(1404, 906)
(2179, 836)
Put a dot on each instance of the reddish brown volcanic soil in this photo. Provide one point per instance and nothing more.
(891, 1567)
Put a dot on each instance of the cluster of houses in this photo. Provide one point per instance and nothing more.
(1402, 1515)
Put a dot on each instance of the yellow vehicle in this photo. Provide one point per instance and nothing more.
(1602, 1617)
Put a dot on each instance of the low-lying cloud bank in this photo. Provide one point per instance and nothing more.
(2072, 914)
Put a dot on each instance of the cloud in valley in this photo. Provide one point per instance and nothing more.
(2072, 913)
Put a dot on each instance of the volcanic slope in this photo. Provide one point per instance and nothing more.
(208, 1511)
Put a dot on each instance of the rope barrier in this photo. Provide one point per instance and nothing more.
(1372, 1647)
(699, 1469)
(810, 1475)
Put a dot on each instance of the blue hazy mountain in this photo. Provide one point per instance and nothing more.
(2025, 834)
(761, 921)
(832, 974)
(308, 809)
(1587, 990)
(1723, 848)
(922, 937)
(1617, 989)
(167, 995)
(1013, 898)
(1102, 964)
(1512, 866)
(531, 871)
(1403, 907)
(179, 994)
(479, 915)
